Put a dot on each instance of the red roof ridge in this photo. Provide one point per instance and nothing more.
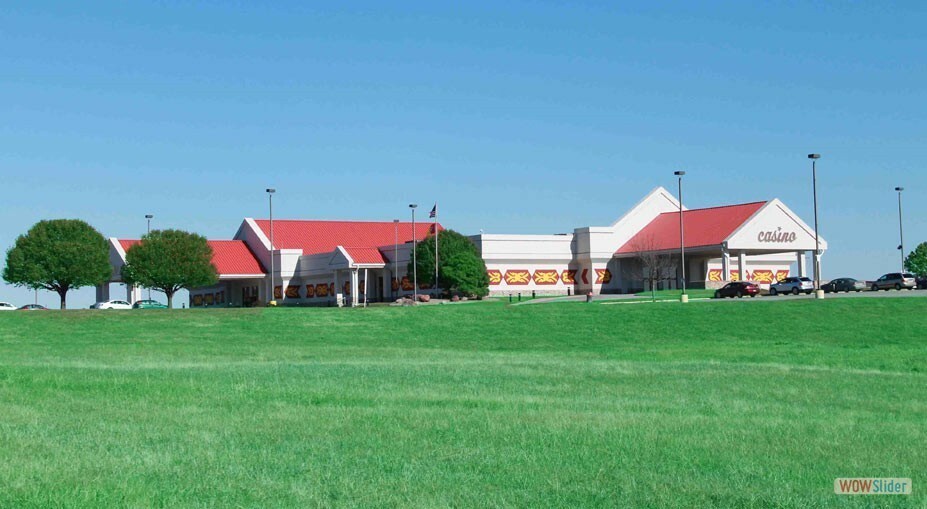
(340, 221)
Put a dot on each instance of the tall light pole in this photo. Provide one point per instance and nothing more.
(682, 239)
(395, 256)
(149, 217)
(900, 227)
(414, 206)
(270, 202)
(817, 239)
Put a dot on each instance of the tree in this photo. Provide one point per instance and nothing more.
(656, 266)
(916, 262)
(460, 267)
(58, 255)
(168, 261)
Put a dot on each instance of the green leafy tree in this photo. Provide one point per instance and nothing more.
(168, 261)
(916, 262)
(58, 255)
(460, 267)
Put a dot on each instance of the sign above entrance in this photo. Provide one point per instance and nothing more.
(776, 237)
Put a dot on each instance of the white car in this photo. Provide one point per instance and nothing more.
(112, 304)
(793, 285)
(6, 306)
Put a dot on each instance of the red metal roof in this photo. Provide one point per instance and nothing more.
(228, 256)
(366, 255)
(703, 227)
(315, 237)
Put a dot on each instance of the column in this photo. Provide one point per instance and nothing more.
(725, 265)
(283, 284)
(354, 288)
(338, 290)
(742, 265)
(133, 294)
(802, 264)
(819, 274)
(103, 292)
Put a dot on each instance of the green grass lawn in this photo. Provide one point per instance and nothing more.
(759, 404)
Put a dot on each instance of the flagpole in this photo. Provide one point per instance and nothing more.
(436, 250)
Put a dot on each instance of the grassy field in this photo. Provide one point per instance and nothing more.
(759, 404)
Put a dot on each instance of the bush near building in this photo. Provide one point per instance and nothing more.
(168, 261)
(460, 267)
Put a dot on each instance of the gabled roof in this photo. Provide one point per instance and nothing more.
(314, 237)
(366, 255)
(230, 257)
(703, 227)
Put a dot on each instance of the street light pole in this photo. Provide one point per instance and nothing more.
(395, 256)
(270, 202)
(817, 240)
(149, 217)
(413, 206)
(682, 239)
(900, 227)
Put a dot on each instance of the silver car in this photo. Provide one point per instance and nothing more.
(793, 285)
(896, 280)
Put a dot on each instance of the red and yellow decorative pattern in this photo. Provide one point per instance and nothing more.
(568, 277)
(716, 275)
(197, 300)
(209, 299)
(292, 292)
(763, 276)
(781, 275)
(395, 284)
(602, 276)
(546, 277)
(585, 277)
(495, 277)
(278, 292)
(735, 275)
(331, 288)
(407, 285)
(517, 277)
(321, 290)
(310, 291)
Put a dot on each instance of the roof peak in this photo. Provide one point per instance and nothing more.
(761, 202)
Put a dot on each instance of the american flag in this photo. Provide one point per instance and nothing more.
(434, 212)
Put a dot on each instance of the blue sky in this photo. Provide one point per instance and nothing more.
(518, 118)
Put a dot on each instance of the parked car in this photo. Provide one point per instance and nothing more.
(844, 284)
(896, 280)
(148, 304)
(112, 304)
(921, 282)
(793, 285)
(738, 289)
(33, 307)
(6, 306)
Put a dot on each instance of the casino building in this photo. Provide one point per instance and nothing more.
(316, 262)
(759, 241)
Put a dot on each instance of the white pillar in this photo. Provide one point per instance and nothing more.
(725, 265)
(284, 283)
(802, 264)
(819, 272)
(366, 287)
(354, 288)
(338, 290)
(742, 265)
(103, 292)
(133, 294)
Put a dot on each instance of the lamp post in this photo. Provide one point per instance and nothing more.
(900, 227)
(817, 239)
(270, 202)
(682, 239)
(414, 206)
(395, 255)
(149, 217)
